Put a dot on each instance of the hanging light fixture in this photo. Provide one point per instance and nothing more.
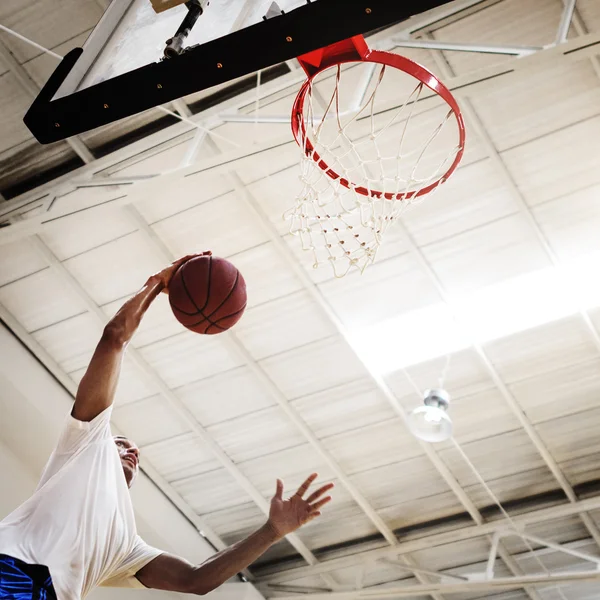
(431, 422)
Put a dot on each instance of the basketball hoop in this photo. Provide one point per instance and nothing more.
(366, 157)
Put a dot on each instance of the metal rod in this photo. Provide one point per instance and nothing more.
(557, 547)
(412, 569)
(30, 42)
(435, 540)
(494, 585)
(466, 47)
(565, 21)
(492, 557)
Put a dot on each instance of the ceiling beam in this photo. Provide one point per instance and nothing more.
(435, 540)
(491, 585)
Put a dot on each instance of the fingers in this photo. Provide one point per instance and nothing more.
(302, 489)
(279, 490)
(319, 493)
(312, 516)
(317, 505)
(187, 257)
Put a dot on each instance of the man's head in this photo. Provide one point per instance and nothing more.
(129, 454)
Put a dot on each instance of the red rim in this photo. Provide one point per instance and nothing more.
(397, 62)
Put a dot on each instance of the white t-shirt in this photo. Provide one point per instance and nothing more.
(79, 521)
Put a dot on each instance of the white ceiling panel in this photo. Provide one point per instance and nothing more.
(149, 421)
(553, 165)
(465, 375)
(375, 574)
(180, 457)
(223, 225)
(486, 255)
(212, 491)
(285, 323)
(386, 289)
(473, 196)
(14, 106)
(86, 232)
(590, 12)
(510, 22)
(224, 397)
(349, 406)
(313, 368)
(96, 270)
(531, 482)
(439, 559)
(45, 22)
(571, 222)
(537, 103)
(292, 465)
(282, 153)
(494, 457)
(541, 350)
(40, 300)
(188, 357)
(482, 415)
(229, 523)
(132, 384)
(562, 391)
(582, 470)
(266, 273)
(421, 510)
(373, 446)
(71, 342)
(326, 530)
(238, 436)
(17, 260)
(158, 323)
(386, 486)
(42, 66)
(571, 436)
(276, 194)
(188, 198)
(71, 199)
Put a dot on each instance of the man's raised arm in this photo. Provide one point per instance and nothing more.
(97, 389)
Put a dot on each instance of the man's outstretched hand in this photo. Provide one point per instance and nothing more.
(288, 515)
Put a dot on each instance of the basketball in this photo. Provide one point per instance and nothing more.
(207, 295)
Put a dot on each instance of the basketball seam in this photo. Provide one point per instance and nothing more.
(198, 310)
(237, 277)
(216, 323)
(185, 287)
(233, 314)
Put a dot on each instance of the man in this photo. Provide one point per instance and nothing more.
(78, 531)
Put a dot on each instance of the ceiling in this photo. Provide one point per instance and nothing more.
(290, 391)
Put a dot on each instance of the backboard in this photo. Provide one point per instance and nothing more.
(140, 34)
(122, 71)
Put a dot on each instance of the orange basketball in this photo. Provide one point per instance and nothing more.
(207, 295)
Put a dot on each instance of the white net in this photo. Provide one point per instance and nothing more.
(365, 159)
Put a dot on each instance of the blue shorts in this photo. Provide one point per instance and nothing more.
(21, 581)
